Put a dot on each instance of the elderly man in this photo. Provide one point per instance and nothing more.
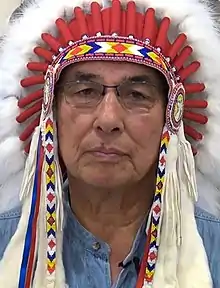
(107, 99)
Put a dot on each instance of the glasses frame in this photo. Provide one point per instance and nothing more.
(105, 87)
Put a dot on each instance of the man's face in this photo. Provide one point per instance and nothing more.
(114, 140)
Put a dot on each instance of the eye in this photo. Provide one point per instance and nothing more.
(137, 95)
(88, 92)
(136, 92)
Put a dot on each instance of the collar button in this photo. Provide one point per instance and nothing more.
(96, 246)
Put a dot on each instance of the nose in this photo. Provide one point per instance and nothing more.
(109, 116)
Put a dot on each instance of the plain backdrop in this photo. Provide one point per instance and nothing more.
(7, 7)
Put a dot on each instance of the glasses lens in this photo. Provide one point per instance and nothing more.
(137, 96)
(86, 94)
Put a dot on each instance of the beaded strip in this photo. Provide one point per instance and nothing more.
(50, 201)
(156, 210)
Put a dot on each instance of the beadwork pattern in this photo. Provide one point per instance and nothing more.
(50, 200)
(156, 210)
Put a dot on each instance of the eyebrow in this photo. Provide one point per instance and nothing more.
(82, 76)
(89, 76)
(141, 78)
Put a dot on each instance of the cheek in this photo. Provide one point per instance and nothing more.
(146, 132)
(72, 128)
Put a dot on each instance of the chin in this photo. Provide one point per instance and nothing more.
(106, 178)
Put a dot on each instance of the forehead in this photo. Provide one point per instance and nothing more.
(110, 72)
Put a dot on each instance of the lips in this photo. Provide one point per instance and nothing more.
(107, 151)
(107, 154)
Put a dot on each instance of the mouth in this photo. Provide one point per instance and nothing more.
(107, 154)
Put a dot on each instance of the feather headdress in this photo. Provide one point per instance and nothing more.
(181, 41)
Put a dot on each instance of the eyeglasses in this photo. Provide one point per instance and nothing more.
(133, 96)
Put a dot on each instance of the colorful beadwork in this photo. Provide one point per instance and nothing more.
(175, 108)
(50, 201)
(114, 49)
(156, 210)
(119, 48)
(48, 92)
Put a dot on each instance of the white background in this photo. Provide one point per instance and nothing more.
(6, 9)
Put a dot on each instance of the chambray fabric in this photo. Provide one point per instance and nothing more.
(86, 258)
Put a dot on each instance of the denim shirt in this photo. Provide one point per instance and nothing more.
(86, 258)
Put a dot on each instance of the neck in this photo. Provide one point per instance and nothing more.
(105, 211)
(113, 215)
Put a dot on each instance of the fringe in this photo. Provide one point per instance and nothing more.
(176, 268)
(12, 259)
(193, 271)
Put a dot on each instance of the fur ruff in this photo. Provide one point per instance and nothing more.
(192, 17)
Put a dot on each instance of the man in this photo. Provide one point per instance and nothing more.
(109, 186)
